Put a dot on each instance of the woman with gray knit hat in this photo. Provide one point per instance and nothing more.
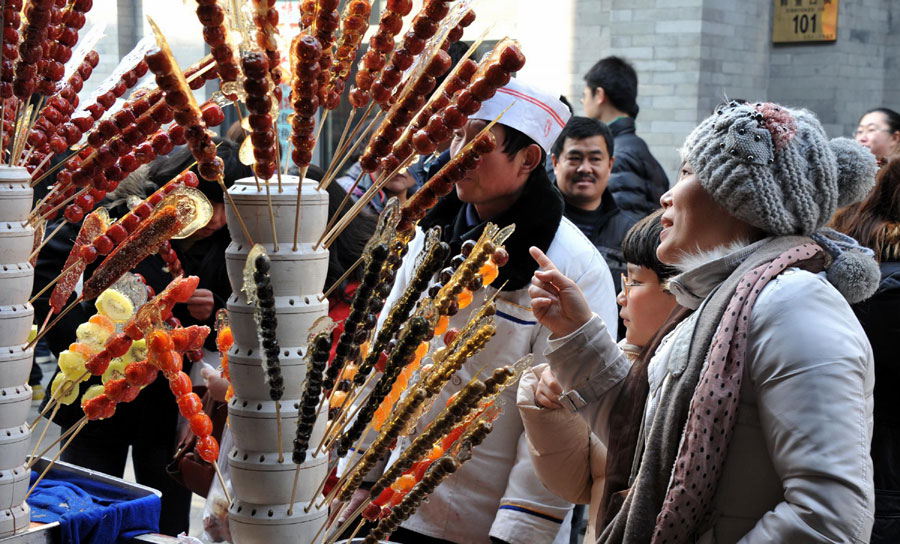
(758, 414)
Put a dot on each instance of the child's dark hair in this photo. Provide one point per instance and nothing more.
(640, 243)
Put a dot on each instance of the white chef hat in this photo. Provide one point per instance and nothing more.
(535, 113)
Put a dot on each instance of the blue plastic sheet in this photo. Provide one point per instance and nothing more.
(92, 512)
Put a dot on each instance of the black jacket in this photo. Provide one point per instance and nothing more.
(637, 179)
(879, 317)
(605, 227)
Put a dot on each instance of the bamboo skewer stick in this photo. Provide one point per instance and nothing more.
(343, 137)
(327, 181)
(50, 193)
(44, 432)
(44, 452)
(279, 432)
(324, 526)
(46, 240)
(357, 530)
(61, 204)
(41, 333)
(43, 163)
(237, 212)
(225, 492)
(290, 511)
(335, 429)
(272, 218)
(348, 521)
(53, 169)
(278, 154)
(337, 214)
(299, 203)
(337, 283)
(80, 425)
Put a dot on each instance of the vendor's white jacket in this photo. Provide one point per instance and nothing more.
(496, 493)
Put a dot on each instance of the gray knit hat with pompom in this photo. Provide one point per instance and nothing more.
(774, 168)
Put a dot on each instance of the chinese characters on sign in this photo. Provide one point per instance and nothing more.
(799, 21)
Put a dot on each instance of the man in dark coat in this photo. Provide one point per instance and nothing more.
(610, 96)
(582, 161)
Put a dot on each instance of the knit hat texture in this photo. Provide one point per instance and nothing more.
(774, 168)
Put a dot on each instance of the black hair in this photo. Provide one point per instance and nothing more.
(618, 80)
(640, 243)
(515, 140)
(566, 103)
(164, 169)
(893, 118)
(579, 128)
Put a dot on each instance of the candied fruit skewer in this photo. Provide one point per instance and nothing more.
(423, 27)
(456, 80)
(178, 95)
(93, 226)
(460, 406)
(413, 334)
(258, 86)
(437, 472)
(348, 343)
(402, 112)
(145, 241)
(265, 17)
(52, 132)
(106, 242)
(401, 384)
(456, 410)
(11, 22)
(261, 294)
(354, 23)
(494, 72)
(305, 57)
(327, 23)
(443, 182)
(266, 321)
(316, 360)
(435, 253)
(381, 44)
(215, 33)
(306, 53)
(34, 34)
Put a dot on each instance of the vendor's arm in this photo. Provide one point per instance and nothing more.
(811, 367)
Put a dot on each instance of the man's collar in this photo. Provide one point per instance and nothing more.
(621, 125)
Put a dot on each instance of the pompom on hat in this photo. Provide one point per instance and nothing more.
(774, 168)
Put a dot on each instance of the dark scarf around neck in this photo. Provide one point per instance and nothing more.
(536, 214)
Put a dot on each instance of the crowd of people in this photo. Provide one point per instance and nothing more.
(715, 354)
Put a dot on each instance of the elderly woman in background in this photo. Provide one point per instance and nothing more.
(569, 459)
(757, 418)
